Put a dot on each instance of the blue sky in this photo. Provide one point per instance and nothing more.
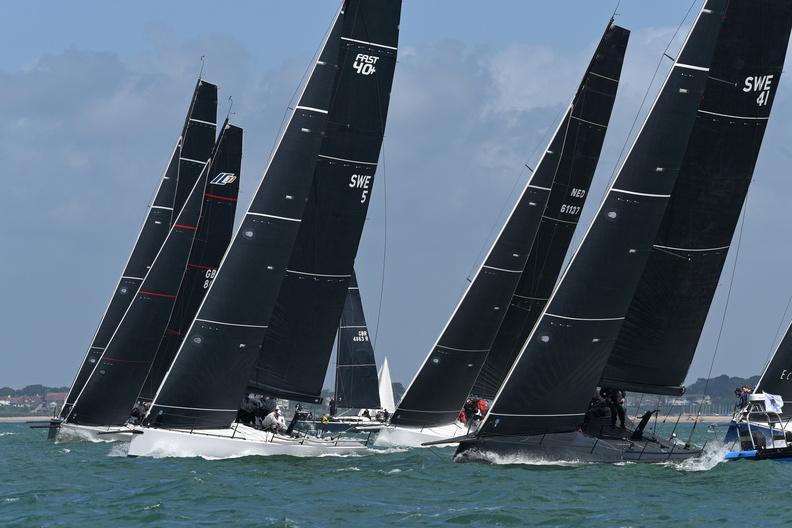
(94, 93)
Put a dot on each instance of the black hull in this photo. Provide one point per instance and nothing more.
(571, 447)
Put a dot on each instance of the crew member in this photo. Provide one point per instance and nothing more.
(275, 422)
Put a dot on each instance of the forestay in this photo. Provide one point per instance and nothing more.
(550, 385)
(197, 138)
(550, 204)
(297, 347)
(659, 337)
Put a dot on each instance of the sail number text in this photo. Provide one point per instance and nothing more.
(573, 209)
(761, 84)
(364, 64)
(361, 181)
(361, 337)
(208, 276)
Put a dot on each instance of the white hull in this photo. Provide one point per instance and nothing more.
(400, 436)
(232, 443)
(87, 433)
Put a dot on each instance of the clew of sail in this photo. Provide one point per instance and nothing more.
(154, 230)
(551, 382)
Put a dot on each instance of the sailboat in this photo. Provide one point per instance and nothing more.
(317, 180)
(525, 259)
(183, 168)
(203, 226)
(541, 410)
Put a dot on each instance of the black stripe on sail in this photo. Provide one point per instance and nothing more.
(463, 354)
(661, 332)
(550, 384)
(296, 350)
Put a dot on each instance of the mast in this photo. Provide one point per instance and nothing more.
(152, 234)
(110, 392)
(211, 242)
(550, 384)
(296, 350)
(356, 385)
(663, 325)
(550, 205)
(206, 380)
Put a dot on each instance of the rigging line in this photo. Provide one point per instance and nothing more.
(723, 320)
(645, 97)
(200, 73)
(384, 244)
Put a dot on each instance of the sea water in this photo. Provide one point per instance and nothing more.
(83, 484)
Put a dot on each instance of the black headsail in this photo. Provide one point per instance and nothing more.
(113, 386)
(207, 378)
(537, 232)
(777, 377)
(356, 384)
(551, 382)
(298, 345)
(152, 234)
(210, 244)
(662, 329)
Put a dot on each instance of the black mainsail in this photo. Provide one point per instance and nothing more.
(206, 381)
(210, 244)
(661, 331)
(113, 386)
(356, 384)
(297, 347)
(197, 138)
(560, 218)
(551, 382)
(531, 245)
